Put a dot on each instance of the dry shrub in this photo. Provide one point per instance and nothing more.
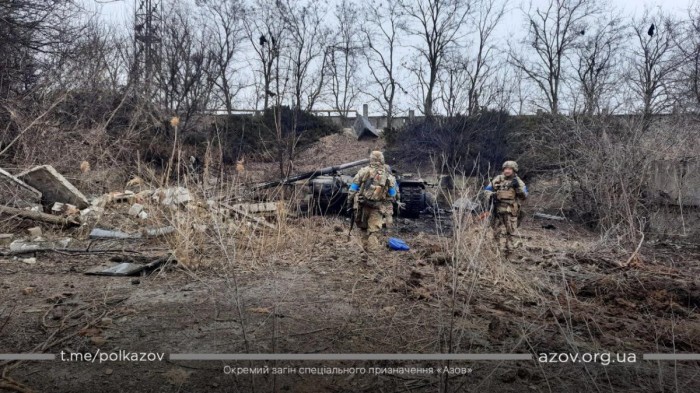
(608, 162)
(468, 143)
(472, 250)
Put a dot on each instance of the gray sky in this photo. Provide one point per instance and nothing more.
(511, 28)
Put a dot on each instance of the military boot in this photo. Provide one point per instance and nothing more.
(372, 243)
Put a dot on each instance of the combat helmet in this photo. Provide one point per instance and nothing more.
(376, 157)
(511, 164)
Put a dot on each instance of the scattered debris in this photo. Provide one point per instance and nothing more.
(21, 246)
(39, 216)
(258, 208)
(14, 192)
(6, 239)
(65, 208)
(128, 269)
(120, 269)
(250, 217)
(84, 167)
(117, 197)
(143, 215)
(99, 233)
(92, 211)
(155, 232)
(549, 226)
(53, 186)
(173, 196)
(543, 216)
(364, 129)
(29, 261)
(34, 232)
(135, 209)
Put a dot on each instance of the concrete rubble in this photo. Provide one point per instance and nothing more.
(24, 245)
(46, 197)
(34, 232)
(173, 196)
(364, 129)
(135, 209)
(6, 239)
(53, 186)
(99, 233)
(16, 193)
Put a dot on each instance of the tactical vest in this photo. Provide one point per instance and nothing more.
(506, 201)
(375, 185)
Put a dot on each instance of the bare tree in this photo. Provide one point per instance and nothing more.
(553, 33)
(439, 24)
(34, 38)
(187, 63)
(343, 58)
(383, 22)
(688, 43)
(455, 85)
(489, 13)
(223, 21)
(652, 64)
(266, 30)
(308, 37)
(92, 63)
(596, 62)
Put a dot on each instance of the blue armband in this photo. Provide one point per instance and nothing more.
(392, 191)
(354, 187)
(488, 188)
(525, 190)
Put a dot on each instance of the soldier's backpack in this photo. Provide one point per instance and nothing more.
(375, 185)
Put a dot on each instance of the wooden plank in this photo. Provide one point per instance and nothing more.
(39, 216)
(249, 216)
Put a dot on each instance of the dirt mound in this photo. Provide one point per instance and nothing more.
(336, 149)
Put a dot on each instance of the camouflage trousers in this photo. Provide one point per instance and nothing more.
(370, 220)
(505, 227)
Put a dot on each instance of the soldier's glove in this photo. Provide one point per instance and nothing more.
(516, 183)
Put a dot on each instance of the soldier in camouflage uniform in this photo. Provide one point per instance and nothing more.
(507, 191)
(372, 189)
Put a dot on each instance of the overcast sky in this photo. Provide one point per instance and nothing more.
(121, 11)
(511, 28)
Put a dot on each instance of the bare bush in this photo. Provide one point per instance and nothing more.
(468, 143)
(607, 163)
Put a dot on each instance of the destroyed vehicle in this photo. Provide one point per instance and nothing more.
(326, 190)
(328, 195)
(412, 192)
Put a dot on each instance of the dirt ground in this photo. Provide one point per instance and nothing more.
(306, 287)
(332, 298)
